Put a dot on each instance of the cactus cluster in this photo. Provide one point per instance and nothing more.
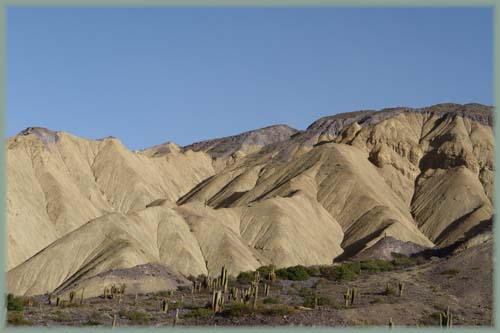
(401, 287)
(114, 292)
(350, 296)
(446, 319)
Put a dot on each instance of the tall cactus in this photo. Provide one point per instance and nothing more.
(217, 301)
(176, 318)
(256, 296)
(266, 289)
(401, 287)
(272, 275)
(347, 297)
(164, 305)
(448, 316)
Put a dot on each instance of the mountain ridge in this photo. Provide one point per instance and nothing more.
(422, 176)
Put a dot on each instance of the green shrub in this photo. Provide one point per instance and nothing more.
(16, 319)
(199, 313)
(245, 277)
(237, 310)
(137, 317)
(337, 273)
(295, 273)
(377, 300)
(14, 303)
(271, 300)
(450, 272)
(92, 322)
(60, 316)
(313, 271)
(278, 310)
(353, 266)
(401, 260)
(264, 271)
(309, 302)
(163, 293)
(376, 265)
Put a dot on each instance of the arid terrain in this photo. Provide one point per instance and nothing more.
(370, 201)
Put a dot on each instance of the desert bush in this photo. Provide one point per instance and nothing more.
(377, 300)
(137, 317)
(17, 319)
(237, 310)
(376, 265)
(337, 273)
(60, 316)
(264, 271)
(310, 302)
(14, 303)
(294, 273)
(278, 310)
(199, 313)
(92, 322)
(163, 293)
(401, 260)
(245, 277)
(271, 300)
(313, 271)
(450, 272)
(353, 266)
(389, 291)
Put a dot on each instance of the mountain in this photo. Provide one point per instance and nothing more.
(77, 207)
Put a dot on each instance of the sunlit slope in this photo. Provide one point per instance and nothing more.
(56, 182)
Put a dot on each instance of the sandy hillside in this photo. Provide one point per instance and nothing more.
(78, 207)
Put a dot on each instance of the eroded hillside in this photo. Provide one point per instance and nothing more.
(79, 207)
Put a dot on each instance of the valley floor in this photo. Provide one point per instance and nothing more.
(462, 282)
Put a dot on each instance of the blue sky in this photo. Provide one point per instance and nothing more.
(153, 75)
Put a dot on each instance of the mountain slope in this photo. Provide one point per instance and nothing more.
(270, 196)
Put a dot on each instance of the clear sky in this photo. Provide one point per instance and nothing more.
(153, 75)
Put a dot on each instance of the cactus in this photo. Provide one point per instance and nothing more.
(112, 291)
(347, 297)
(58, 301)
(315, 301)
(71, 296)
(257, 277)
(176, 319)
(448, 316)
(401, 287)
(164, 305)
(266, 289)
(256, 296)
(81, 296)
(50, 299)
(135, 299)
(354, 293)
(114, 321)
(105, 292)
(217, 301)
(272, 275)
